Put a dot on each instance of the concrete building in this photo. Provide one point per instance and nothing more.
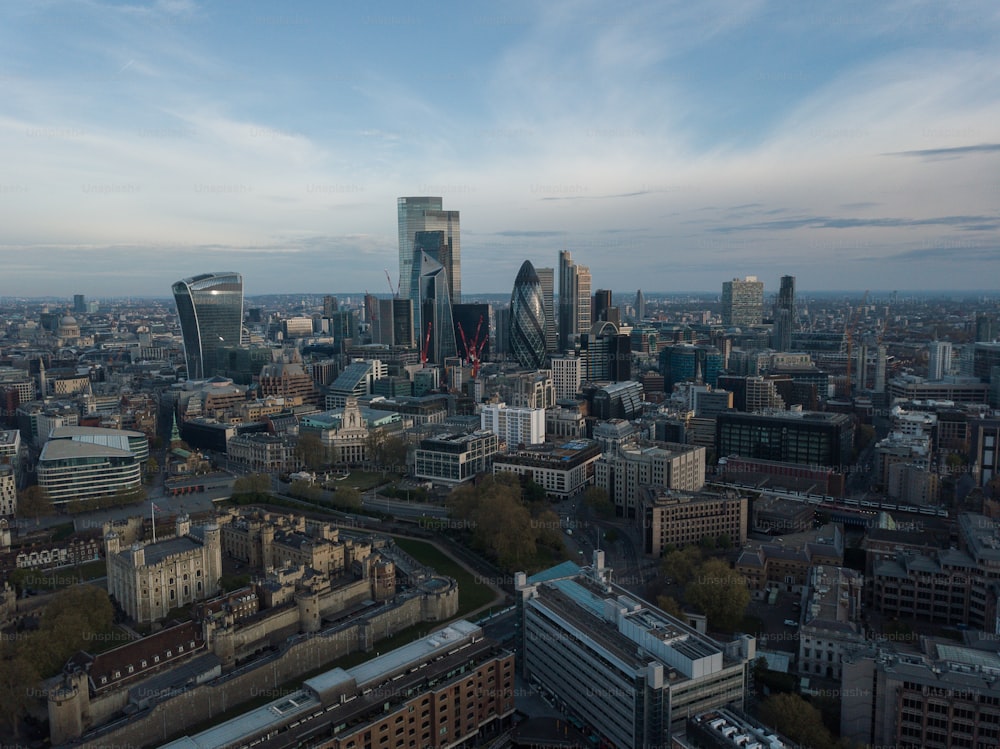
(455, 458)
(148, 580)
(567, 375)
(830, 621)
(675, 519)
(742, 302)
(136, 443)
(669, 465)
(8, 490)
(630, 673)
(564, 469)
(805, 437)
(786, 564)
(574, 301)
(514, 426)
(453, 687)
(263, 453)
(938, 360)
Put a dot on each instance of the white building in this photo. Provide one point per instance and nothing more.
(71, 471)
(670, 465)
(830, 621)
(938, 360)
(515, 426)
(122, 439)
(567, 375)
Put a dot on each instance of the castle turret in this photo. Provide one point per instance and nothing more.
(309, 618)
(112, 543)
(183, 525)
(69, 708)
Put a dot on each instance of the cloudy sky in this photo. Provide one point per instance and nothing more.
(669, 145)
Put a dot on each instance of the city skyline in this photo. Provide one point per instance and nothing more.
(665, 146)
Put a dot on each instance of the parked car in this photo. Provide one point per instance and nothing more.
(791, 623)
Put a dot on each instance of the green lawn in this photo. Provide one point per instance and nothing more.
(471, 594)
(365, 480)
(62, 577)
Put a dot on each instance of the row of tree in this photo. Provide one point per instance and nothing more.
(709, 586)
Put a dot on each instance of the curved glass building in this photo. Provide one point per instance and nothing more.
(210, 308)
(527, 318)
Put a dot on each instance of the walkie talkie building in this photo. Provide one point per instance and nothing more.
(210, 308)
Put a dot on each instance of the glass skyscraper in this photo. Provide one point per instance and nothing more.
(430, 280)
(426, 214)
(210, 309)
(527, 318)
(574, 300)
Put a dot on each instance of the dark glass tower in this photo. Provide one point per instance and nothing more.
(784, 314)
(210, 308)
(527, 318)
(434, 303)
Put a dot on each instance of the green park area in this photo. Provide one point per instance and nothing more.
(472, 594)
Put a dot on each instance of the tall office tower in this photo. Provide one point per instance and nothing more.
(607, 354)
(938, 360)
(742, 302)
(567, 375)
(986, 328)
(640, 305)
(574, 300)
(329, 305)
(426, 214)
(502, 330)
(527, 318)
(370, 309)
(601, 306)
(79, 304)
(547, 278)
(393, 325)
(434, 302)
(784, 315)
(210, 309)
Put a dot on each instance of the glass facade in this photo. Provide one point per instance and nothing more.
(210, 308)
(430, 280)
(425, 214)
(527, 318)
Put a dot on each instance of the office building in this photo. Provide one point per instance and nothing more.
(148, 580)
(617, 400)
(830, 621)
(454, 458)
(606, 353)
(8, 490)
(134, 442)
(330, 305)
(356, 381)
(474, 320)
(567, 375)
(986, 328)
(514, 426)
(426, 214)
(546, 277)
(742, 302)
(600, 306)
(72, 471)
(393, 325)
(433, 309)
(804, 437)
(671, 519)
(689, 363)
(574, 301)
(210, 310)
(563, 469)
(640, 305)
(79, 304)
(630, 673)
(668, 465)
(527, 318)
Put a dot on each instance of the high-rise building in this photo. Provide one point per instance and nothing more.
(567, 375)
(574, 300)
(79, 304)
(601, 306)
(474, 318)
(329, 305)
(640, 305)
(986, 328)
(607, 354)
(742, 302)
(210, 310)
(393, 326)
(527, 318)
(547, 278)
(784, 315)
(423, 214)
(938, 360)
(434, 305)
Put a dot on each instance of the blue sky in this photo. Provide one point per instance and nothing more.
(668, 145)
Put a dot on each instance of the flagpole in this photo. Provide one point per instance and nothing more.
(152, 517)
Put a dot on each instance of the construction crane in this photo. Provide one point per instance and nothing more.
(852, 320)
(426, 346)
(473, 350)
(393, 291)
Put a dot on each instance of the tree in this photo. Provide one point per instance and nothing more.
(597, 500)
(305, 490)
(533, 492)
(680, 566)
(720, 593)
(793, 716)
(669, 604)
(724, 541)
(17, 677)
(152, 467)
(253, 488)
(34, 502)
(394, 453)
(347, 498)
(707, 543)
(310, 451)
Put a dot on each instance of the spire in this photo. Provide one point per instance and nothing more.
(175, 433)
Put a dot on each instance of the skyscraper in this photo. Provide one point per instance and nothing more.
(602, 303)
(423, 214)
(393, 326)
(434, 303)
(784, 315)
(210, 309)
(574, 300)
(640, 305)
(742, 302)
(547, 278)
(938, 360)
(527, 318)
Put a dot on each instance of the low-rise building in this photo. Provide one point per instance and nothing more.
(830, 621)
(670, 518)
(455, 458)
(563, 469)
(71, 471)
(785, 565)
(668, 465)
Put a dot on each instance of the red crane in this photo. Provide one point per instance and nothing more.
(473, 351)
(427, 345)
(393, 291)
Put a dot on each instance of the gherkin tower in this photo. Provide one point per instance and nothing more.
(527, 318)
